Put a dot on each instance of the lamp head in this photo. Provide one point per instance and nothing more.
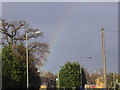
(38, 32)
(90, 57)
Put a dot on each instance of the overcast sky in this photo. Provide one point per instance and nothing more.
(60, 0)
(72, 30)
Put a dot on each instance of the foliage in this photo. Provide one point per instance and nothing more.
(69, 75)
(113, 78)
(110, 80)
(14, 55)
(84, 79)
(12, 71)
(34, 78)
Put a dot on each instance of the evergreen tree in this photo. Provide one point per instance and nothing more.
(70, 76)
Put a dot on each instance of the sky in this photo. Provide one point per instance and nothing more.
(72, 30)
(60, 0)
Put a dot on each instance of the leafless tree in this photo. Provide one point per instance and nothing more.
(14, 33)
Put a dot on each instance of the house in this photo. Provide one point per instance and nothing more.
(47, 78)
(100, 82)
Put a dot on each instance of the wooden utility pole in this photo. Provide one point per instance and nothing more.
(104, 58)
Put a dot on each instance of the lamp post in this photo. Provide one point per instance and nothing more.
(37, 32)
(81, 67)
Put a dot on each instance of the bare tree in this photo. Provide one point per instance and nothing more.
(14, 33)
(95, 75)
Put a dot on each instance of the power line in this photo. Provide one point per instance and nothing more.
(111, 31)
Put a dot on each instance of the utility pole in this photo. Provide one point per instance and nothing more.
(104, 58)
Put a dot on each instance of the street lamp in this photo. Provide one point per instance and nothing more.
(37, 32)
(81, 67)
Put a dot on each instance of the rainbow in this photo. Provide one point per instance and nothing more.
(54, 41)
